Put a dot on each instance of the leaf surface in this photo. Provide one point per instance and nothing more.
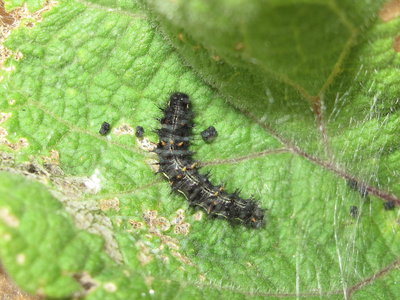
(304, 96)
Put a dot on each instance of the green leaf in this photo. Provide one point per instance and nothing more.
(44, 251)
(300, 43)
(304, 96)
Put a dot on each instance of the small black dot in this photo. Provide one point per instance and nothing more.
(105, 128)
(209, 134)
(355, 185)
(389, 205)
(354, 211)
(139, 131)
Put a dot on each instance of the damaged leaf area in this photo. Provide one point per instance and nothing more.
(305, 99)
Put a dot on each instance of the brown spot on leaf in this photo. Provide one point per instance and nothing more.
(182, 228)
(162, 223)
(146, 145)
(12, 19)
(123, 130)
(135, 224)
(390, 10)
(149, 216)
(179, 217)
(198, 216)
(21, 143)
(157, 227)
(107, 204)
(87, 282)
(53, 158)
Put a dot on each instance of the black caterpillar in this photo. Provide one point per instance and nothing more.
(177, 165)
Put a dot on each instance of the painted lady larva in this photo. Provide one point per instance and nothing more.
(177, 165)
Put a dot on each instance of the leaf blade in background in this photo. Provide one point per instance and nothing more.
(89, 62)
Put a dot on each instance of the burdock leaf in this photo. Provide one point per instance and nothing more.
(304, 96)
